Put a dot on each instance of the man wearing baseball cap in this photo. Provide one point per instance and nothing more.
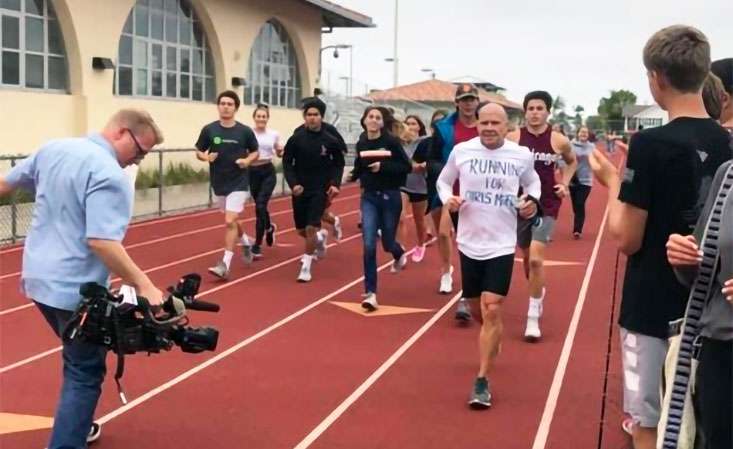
(458, 127)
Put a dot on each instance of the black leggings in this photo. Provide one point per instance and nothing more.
(714, 394)
(579, 194)
(262, 180)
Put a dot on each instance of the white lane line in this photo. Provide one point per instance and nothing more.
(543, 430)
(201, 294)
(154, 221)
(353, 397)
(221, 356)
(5, 369)
(168, 265)
(192, 232)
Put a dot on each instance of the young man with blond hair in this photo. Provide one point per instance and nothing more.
(668, 174)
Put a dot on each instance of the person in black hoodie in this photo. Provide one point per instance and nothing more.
(329, 218)
(313, 164)
(381, 166)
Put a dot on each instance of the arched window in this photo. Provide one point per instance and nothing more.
(273, 69)
(31, 46)
(164, 53)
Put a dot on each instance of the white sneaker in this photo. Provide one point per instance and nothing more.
(337, 229)
(369, 303)
(399, 264)
(305, 273)
(220, 270)
(446, 282)
(321, 245)
(532, 332)
(247, 254)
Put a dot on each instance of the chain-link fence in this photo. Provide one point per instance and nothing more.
(166, 183)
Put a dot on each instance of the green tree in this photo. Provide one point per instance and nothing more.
(578, 119)
(595, 122)
(611, 107)
(558, 105)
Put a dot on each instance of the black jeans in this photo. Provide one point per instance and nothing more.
(579, 195)
(714, 394)
(262, 180)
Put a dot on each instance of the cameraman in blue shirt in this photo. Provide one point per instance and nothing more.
(82, 209)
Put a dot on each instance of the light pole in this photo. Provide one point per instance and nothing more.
(395, 58)
(348, 84)
(336, 55)
(430, 71)
(393, 61)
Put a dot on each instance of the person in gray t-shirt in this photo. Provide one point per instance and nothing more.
(582, 181)
(714, 377)
(415, 190)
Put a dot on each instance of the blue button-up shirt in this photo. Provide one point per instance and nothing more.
(81, 193)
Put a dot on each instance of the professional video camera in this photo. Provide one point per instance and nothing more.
(127, 326)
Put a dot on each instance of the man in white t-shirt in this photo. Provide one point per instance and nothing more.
(490, 171)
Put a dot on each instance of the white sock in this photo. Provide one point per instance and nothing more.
(245, 240)
(228, 258)
(535, 306)
(336, 222)
(321, 235)
(307, 259)
(540, 298)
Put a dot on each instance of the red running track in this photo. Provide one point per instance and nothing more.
(294, 370)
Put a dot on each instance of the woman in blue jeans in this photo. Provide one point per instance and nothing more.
(381, 167)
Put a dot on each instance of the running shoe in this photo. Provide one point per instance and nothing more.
(305, 273)
(247, 254)
(532, 332)
(463, 311)
(256, 252)
(399, 264)
(369, 303)
(337, 229)
(418, 253)
(628, 425)
(446, 282)
(270, 235)
(321, 245)
(220, 270)
(94, 432)
(480, 395)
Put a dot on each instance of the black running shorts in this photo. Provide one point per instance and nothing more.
(308, 209)
(490, 275)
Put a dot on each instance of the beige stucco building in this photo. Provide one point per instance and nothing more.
(170, 57)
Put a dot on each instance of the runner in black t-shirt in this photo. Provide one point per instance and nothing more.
(313, 165)
(329, 218)
(229, 147)
(668, 173)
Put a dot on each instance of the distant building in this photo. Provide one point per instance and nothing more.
(67, 65)
(647, 116)
(478, 82)
(434, 94)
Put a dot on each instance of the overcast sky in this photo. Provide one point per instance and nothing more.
(577, 49)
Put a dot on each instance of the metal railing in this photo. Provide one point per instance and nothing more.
(168, 182)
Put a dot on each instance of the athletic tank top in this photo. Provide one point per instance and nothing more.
(545, 162)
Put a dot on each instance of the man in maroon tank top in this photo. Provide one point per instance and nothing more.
(548, 147)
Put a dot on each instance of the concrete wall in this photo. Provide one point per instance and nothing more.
(93, 28)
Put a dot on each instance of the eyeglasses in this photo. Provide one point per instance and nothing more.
(141, 153)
